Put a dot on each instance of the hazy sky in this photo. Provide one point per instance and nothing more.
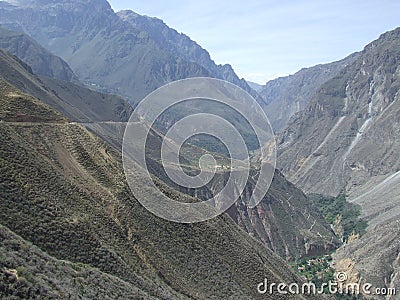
(264, 39)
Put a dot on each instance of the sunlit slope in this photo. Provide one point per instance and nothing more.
(64, 190)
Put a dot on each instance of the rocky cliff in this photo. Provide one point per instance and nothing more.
(286, 96)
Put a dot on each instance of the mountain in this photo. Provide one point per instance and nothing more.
(308, 234)
(71, 226)
(347, 141)
(374, 258)
(182, 45)
(255, 86)
(134, 54)
(285, 221)
(349, 126)
(285, 96)
(38, 58)
(72, 100)
(67, 211)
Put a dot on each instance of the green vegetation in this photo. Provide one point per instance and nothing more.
(26, 272)
(319, 270)
(342, 215)
(315, 269)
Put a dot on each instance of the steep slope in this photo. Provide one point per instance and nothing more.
(285, 221)
(64, 190)
(299, 239)
(27, 272)
(374, 258)
(130, 60)
(285, 96)
(20, 107)
(38, 58)
(182, 45)
(349, 128)
(75, 102)
(347, 140)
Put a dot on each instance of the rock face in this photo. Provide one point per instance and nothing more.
(38, 58)
(286, 221)
(348, 133)
(347, 140)
(286, 96)
(127, 54)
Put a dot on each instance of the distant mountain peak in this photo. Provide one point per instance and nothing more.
(37, 57)
(41, 3)
(128, 13)
(125, 14)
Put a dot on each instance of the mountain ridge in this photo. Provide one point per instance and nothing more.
(74, 101)
(185, 47)
(131, 60)
(349, 101)
(288, 95)
(42, 62)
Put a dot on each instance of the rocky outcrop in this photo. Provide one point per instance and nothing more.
(375, 258)
(286, 221)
